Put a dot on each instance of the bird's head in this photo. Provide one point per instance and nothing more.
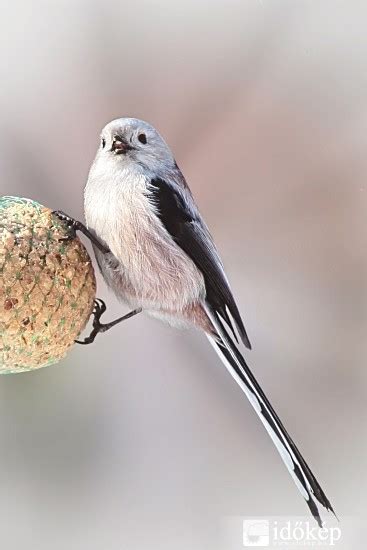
(130, 140)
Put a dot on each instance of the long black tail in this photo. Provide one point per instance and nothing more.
(295, 463)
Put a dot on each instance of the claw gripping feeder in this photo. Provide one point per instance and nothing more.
(47, 286)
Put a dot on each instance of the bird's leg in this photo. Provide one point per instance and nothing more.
(99, 309)
(74, 226)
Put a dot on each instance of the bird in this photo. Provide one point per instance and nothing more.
(157, 255)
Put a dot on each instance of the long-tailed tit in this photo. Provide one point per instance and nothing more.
(156, 253)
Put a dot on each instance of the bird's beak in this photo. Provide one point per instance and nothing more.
(120, 146)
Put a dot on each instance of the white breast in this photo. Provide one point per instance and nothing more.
(153, 272)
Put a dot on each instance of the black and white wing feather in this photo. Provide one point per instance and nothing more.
(182, 220)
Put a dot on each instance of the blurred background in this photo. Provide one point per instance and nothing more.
(143, 440)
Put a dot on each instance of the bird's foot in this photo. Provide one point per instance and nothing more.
(74, 226)
(98, 311)
(71, 224)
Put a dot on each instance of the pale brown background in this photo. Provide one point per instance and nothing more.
(143, 441)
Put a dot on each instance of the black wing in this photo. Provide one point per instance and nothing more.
(182, 220)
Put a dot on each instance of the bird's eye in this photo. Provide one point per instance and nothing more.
(103, 143)
(142, 138)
